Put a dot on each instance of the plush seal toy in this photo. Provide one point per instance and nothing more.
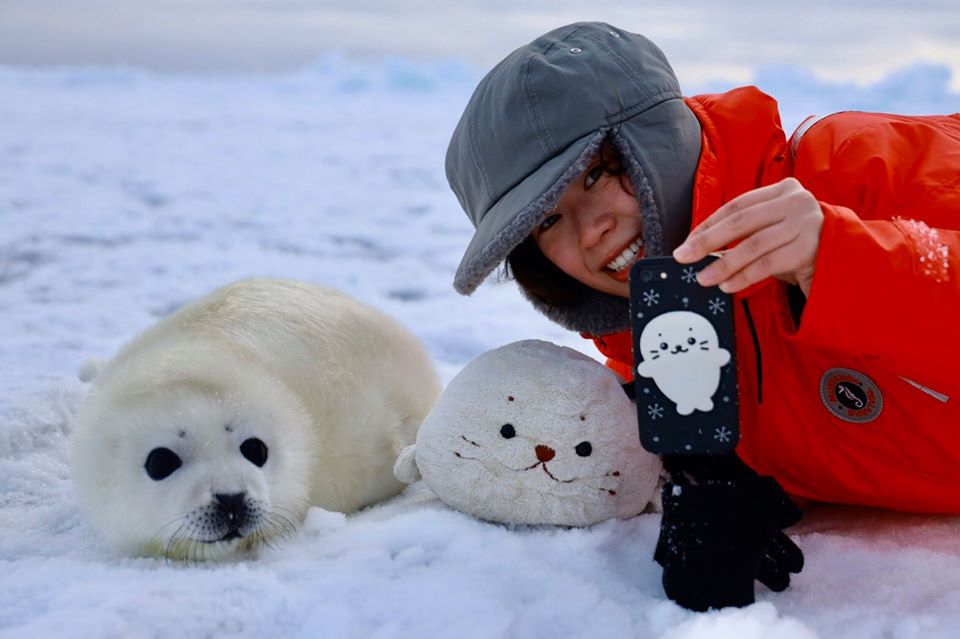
(217, 428)
(534, 433)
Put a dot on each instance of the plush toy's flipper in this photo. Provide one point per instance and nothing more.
(406, 469)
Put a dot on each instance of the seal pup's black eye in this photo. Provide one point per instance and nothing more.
(255, 451)
(584, 449)
(161, 462)
(508, 431)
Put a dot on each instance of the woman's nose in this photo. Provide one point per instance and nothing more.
(594, 224)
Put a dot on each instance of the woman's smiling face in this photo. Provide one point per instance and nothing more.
(595, 232)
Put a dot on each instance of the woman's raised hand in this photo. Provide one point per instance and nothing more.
(778, 229)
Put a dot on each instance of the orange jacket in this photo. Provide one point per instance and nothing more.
(860, 403)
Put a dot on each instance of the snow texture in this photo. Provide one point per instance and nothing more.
(124, 194)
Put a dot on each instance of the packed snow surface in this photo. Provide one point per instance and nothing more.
(125, 194)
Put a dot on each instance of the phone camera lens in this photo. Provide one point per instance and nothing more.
(646, 276)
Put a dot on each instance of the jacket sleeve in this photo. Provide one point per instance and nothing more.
(618, 349)
(887, 277)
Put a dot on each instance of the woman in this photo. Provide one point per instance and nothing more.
(577, 155)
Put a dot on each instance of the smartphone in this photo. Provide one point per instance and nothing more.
(685, 373)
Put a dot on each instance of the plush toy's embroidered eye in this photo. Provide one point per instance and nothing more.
(584, 449)
(255, 451)
(161, 462)
(508, 431)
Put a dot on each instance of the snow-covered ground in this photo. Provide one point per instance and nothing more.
(124, 194)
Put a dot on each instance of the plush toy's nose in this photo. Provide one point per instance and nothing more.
(545, 453)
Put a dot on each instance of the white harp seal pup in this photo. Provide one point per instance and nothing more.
(218, 427)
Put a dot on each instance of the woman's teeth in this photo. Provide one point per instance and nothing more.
(626, 258)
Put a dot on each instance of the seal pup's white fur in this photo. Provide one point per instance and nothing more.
(331, 389)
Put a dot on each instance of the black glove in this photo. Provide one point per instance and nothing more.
(721, 530)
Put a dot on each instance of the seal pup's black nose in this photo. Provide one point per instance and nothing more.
(233, 506)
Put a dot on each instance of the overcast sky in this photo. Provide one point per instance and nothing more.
(705, 39)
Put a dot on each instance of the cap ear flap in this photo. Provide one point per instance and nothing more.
(406, 469)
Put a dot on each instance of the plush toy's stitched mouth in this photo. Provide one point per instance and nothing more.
(615, 473)
(459, 455)
(547, 471)
(562, 481)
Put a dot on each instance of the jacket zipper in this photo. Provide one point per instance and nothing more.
(756, 350)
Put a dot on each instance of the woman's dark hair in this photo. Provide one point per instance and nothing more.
(541, 278)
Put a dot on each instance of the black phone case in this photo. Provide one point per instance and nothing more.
(685, 372)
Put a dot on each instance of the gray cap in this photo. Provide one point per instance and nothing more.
(535, 122)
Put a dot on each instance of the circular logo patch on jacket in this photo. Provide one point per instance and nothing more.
(850, 395)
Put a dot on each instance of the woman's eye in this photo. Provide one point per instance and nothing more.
(549, 221)
(592, 176)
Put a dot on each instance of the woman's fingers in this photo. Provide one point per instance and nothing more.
(754, 252)
(780, 262)
(776, 230)
(739, 224)
(732, 221)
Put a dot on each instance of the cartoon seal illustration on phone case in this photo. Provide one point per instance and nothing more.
(681, 352)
